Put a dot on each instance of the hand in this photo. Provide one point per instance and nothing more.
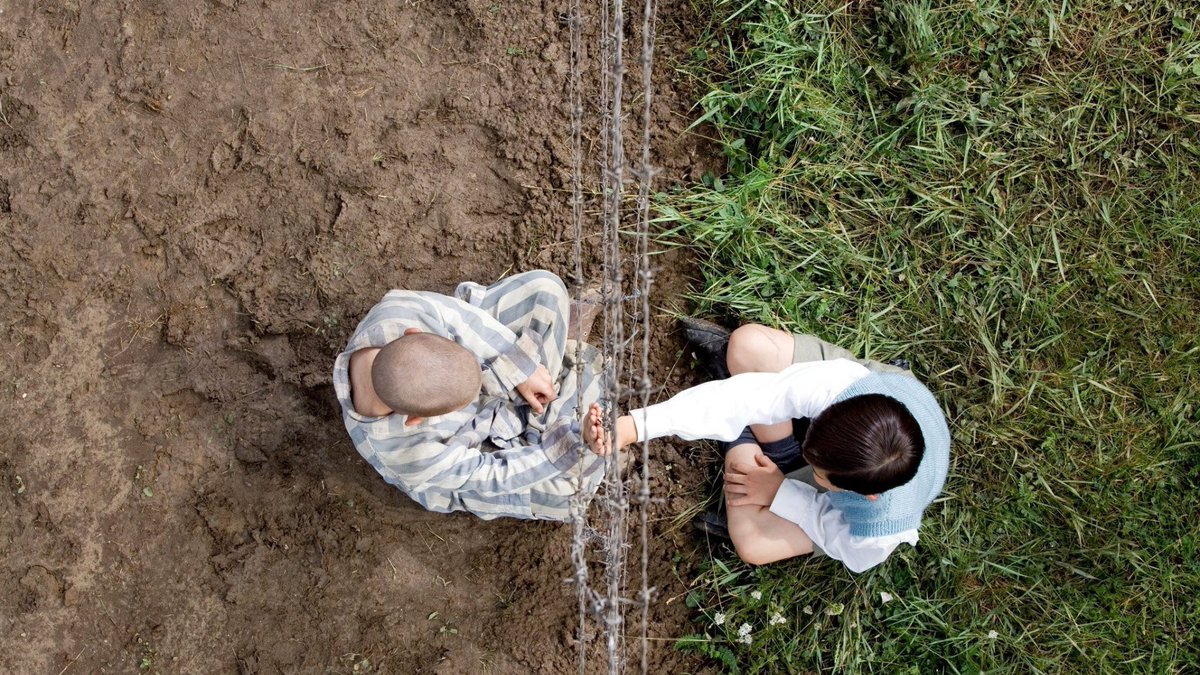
(538, 390)
(594, 433)
(752, 484)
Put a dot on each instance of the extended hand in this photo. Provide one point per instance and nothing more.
(538, 390)
(752, 484)
(594, 433)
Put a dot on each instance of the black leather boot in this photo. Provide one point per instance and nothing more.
(713, 524)
(709, 342)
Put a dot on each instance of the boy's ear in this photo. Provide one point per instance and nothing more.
(413, 421)
(411, 331)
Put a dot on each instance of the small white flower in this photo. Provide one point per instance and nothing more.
(808, 610)
(885, 598)
(719, 619)
(745, 639)
(757, 595)
(777, 619)
(744, 630)
(992, 635)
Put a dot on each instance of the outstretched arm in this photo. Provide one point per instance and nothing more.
(722, 408)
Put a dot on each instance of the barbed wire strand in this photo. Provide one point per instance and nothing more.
(645, 180)
(616, 499)
(580, 502)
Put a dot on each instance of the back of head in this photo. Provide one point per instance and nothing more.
(425, 375)
(867, 444)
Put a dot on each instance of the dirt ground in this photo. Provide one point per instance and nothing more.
(197, 203)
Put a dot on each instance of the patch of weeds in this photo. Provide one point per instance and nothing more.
(505, 600)
(354, 664)
(142, 479)
(146, 655)
(224, 424)
(515, 51)
(447, 628)
(344, 254)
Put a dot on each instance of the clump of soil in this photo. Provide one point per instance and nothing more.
(197, 203)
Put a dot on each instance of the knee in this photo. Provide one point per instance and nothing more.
(548, 285)
(749, 349)
(748, 547)
(545, 281)
(741, 456)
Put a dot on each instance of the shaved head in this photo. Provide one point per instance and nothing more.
(425, 375)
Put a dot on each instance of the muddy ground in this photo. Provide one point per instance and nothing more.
(197, 203)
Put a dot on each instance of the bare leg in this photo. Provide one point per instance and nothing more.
(759, 536)
(755, 348)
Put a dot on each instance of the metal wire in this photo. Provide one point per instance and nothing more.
(579, 504)
(616, 503)
(645, 179)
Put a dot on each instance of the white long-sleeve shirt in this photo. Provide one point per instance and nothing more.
(721, 409)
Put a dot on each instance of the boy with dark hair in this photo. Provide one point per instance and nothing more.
(841, 456)
(468, 403)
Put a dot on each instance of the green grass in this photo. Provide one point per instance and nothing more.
(1008, 194)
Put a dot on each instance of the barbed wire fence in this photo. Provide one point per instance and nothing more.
(601, 534)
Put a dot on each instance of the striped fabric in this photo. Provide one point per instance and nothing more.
(494, 457)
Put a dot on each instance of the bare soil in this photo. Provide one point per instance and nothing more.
(198, 201)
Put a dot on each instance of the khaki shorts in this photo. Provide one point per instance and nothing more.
(812, 348)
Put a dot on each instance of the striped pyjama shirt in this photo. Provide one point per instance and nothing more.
(495, 457)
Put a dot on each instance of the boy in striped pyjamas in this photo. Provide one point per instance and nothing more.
(468, 403)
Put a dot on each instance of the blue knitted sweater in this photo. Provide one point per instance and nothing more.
(900, 509)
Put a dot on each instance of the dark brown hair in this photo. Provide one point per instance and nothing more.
(866, 444)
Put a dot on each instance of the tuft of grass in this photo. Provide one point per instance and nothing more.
(1007, 194)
